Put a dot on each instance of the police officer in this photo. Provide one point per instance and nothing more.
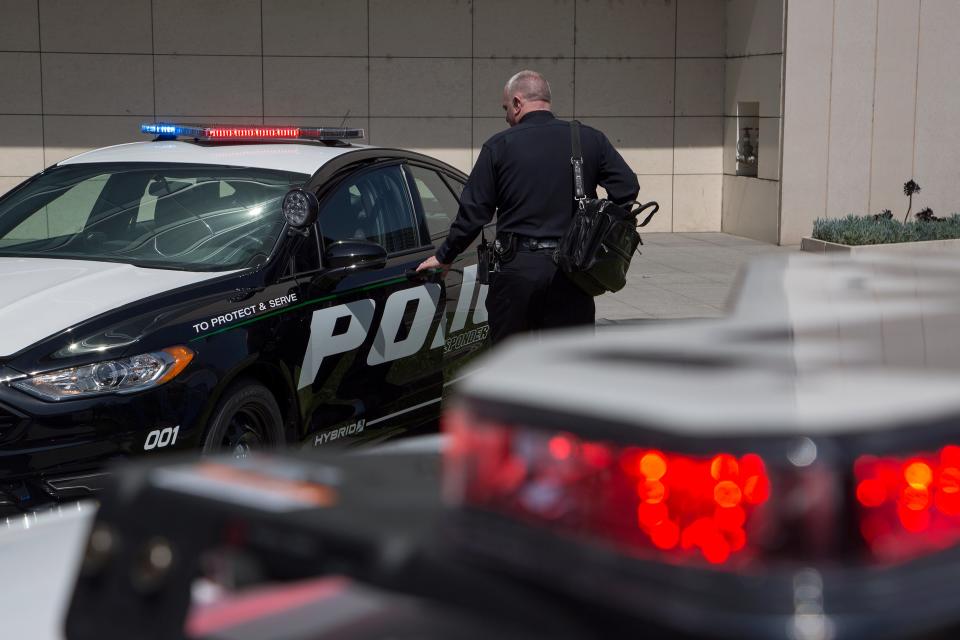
(525, 175)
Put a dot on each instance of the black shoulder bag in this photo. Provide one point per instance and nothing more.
(596, 250)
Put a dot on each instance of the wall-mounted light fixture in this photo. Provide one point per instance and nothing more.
(748, 138)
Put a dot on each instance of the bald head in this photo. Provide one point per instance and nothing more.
(526, 91)
(530, 85)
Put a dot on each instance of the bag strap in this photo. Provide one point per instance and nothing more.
(576, 159)
(641, 207)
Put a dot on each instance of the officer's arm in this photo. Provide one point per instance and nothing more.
(477, 204)
(616, 176)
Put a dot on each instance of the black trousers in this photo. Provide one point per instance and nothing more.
(530, 294)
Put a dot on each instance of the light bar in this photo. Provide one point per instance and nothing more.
(249, 133)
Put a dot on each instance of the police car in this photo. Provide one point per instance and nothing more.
(223, 287)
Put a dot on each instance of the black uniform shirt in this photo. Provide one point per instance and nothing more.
(524, 173)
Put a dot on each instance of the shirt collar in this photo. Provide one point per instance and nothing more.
(534, 117)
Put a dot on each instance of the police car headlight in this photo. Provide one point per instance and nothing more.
(126, 375)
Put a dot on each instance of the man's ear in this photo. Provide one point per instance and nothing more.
(516, 102)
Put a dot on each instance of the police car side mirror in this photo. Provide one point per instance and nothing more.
(355, 254)
(300, 208)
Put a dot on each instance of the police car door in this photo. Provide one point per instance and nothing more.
(369, 370)
(466, 331)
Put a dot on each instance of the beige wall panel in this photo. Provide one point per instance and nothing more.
(490, 75)
(624, 88)
(209, 85)
(938, 107)
(302, 86)
(204, 119)
(445, 138)
(750, 208)
(67, 136)
(21, 145)
(19, 30)
(700, 28)
(768, 166)
(214, 27)
(420, 28)
(8, 183)
(700, 86)
(806, 121)
(699, 146)
(697, 202)
(645, 143)
(851, 107)
(483, 130)
(659, 188)
(97, 84)
(898, 24)
(20, 83)
(757, 79)
(314, 121)
(95, 26)
(502, 28)
(755, 26)
(626, 28)
(293, 28)
(420, 87)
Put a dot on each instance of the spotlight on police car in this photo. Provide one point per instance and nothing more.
(300, 208)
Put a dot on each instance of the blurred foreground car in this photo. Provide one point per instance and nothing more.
(223, 288)
(792, 471)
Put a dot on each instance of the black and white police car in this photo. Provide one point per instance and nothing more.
(223, 287)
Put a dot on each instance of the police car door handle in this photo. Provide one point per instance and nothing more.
(418, 276)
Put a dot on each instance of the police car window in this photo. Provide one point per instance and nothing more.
(373, 205)
(439, 204)
(456, 185)
(66, 213)
(179, 216)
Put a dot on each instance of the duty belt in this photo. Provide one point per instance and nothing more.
(535, 244)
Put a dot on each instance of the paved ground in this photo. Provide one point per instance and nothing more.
(681, 275)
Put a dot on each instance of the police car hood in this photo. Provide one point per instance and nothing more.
(40, 296)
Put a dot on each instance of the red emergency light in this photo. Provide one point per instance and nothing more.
(641, 500)
(910, 505)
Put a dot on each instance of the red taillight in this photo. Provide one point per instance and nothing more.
(909, 505)
(637, 498)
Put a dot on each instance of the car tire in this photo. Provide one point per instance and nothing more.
(246, 418)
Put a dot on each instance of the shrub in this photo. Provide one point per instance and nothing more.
(856, 230)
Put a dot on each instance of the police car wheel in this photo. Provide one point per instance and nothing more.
(246, 419)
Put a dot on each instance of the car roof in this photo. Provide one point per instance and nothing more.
(303, 158)
(813, 346)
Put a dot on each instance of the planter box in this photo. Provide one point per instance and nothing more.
(926, 246)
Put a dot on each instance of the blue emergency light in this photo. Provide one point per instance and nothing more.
(247, 133)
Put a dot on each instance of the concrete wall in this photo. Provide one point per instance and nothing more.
(423, 74)
(754, 66)
(872, 100)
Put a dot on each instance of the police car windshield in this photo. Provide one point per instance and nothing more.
(172, 216)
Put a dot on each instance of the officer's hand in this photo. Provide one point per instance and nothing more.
(433, 263)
